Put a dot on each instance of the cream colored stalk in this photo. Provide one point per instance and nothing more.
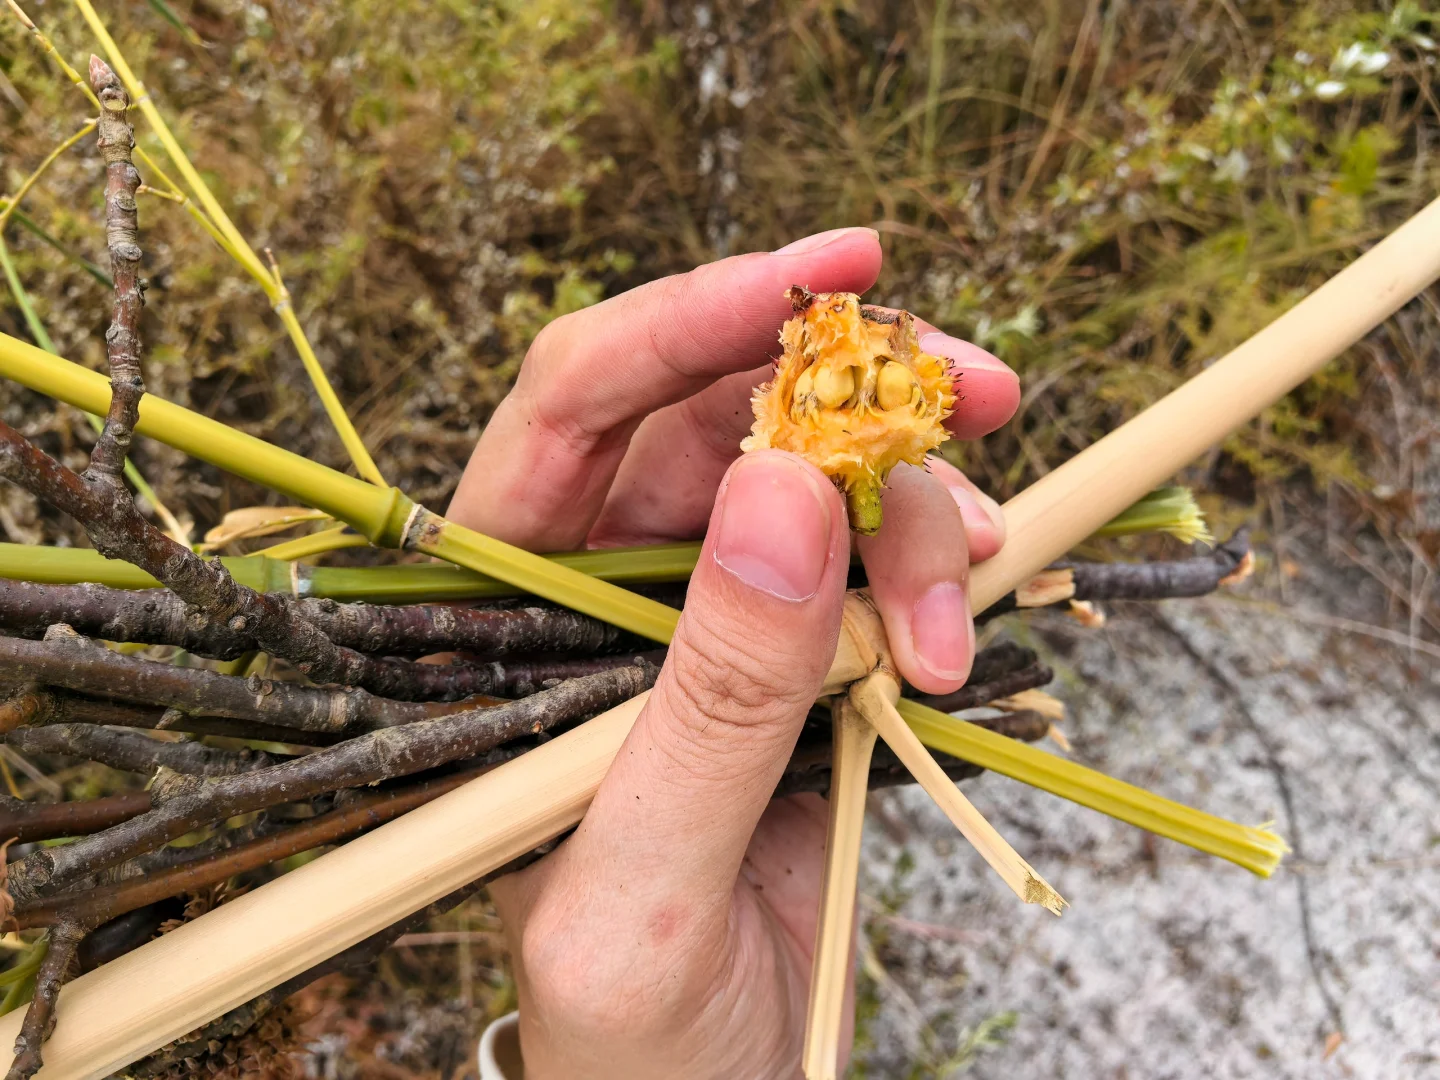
(874, 697)
(835, 929)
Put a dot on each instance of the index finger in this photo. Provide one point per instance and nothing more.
(546, 459)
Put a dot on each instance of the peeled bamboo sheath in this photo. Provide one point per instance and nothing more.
(129, 1007)
(830, 975)
(878, 709)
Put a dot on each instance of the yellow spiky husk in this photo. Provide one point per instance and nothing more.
(836, 346)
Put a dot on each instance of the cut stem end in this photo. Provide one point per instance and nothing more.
(863, 503)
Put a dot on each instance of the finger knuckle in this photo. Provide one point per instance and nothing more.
(721, 684)
(548, 346)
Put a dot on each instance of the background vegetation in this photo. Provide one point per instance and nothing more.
(1107, 194)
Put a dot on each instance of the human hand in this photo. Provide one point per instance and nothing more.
(671, 934)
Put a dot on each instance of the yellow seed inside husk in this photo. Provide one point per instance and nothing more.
(834, 386)
(854, 395)
(805, 384)
(895, 387)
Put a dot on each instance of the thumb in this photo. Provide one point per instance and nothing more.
(675, 813)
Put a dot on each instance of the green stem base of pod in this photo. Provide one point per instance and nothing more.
(862, 500)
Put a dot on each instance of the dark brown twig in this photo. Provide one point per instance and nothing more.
(75, 663)
(1160, 580)
(65, 938)
(159, 617)
(27, 822)
(972, 695)
(133, 752)
(183, 803)
(95, 906)
(1198, 576)
(999, 659)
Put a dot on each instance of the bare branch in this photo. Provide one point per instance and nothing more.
(27, 822)
(95, 906)
(133, 752)
(159, 617)
(65, 707)
(78, 664)
(973, 694)
(39, 1021)
(182, 803)
(122, 340)
(1198, 576)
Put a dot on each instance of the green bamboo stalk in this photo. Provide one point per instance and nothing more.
(1170, 510)
(303, 547)
(533, 573)
(410, 584)
(387, 518)
(379, 514)
(1258, 850)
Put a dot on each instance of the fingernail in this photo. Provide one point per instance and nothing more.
(977, 511)
(774, 528)
(942, 631)
(819, 240)
(964, 353)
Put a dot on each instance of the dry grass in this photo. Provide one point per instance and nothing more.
(1106, 195)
